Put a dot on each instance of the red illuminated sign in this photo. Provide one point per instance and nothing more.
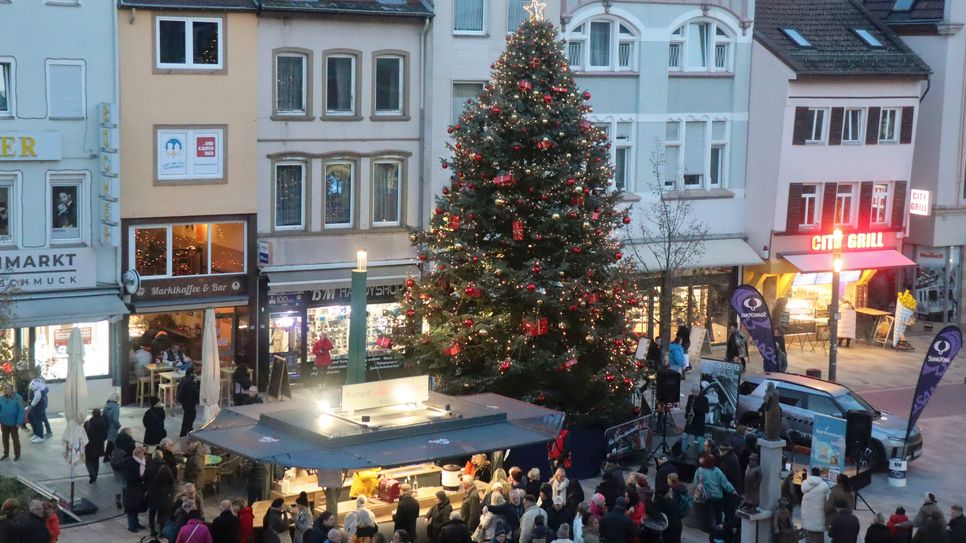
(855, 240)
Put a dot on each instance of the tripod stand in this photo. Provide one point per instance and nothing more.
(861, 461)
(663, 413)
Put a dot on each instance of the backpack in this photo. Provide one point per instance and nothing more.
(684, 502)
(698, 492)
(118, 457)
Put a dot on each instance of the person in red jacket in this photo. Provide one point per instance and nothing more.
(321, 349)
(52, 520)
(247, 519)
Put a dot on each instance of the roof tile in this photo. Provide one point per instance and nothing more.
(923, 11)
(418, 8)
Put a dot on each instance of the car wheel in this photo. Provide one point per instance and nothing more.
(877, 458)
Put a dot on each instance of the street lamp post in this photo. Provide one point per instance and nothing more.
(356, 370)
(833, 309)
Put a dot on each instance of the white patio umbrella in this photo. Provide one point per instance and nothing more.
(210, 368)
(75, 405)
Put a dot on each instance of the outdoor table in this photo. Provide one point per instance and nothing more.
(876, 316)
(155, 371)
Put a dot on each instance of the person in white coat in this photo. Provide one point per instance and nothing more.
(559, 483)
(814, 493)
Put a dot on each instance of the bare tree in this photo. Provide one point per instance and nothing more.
(671, 237)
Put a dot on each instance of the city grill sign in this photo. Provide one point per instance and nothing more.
(47, 269)
(860, 240)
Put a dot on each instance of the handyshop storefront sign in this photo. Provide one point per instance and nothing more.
(41, 270)
(189, 289)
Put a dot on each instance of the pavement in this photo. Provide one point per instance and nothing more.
(885, 377)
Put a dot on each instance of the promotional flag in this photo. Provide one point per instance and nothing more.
(753, 313)
(942, 351)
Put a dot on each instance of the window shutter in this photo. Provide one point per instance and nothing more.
(65, 91)
(905, 131)
(828, 205)
(898, 205)
(835, 126)
(800, 130)
(865, 204)
(872, 126)
(794, 216)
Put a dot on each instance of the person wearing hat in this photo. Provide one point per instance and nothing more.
(616, 527)
(189, 395)
(438, 515)
(558, 514)
(153, 421)
(407, 511)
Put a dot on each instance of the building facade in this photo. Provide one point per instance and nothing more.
(834, 102)
(937, 224)
(670, 87)
(58, 224)
(340, 165)
(188, 107)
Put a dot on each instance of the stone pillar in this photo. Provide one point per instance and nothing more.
(757, 527)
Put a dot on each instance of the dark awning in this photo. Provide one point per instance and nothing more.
(251, 432)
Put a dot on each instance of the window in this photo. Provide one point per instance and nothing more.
(888, 125)
(515, 14)
(824, 405)
(6, 88)
(469, 16)
(700, 46)
(602, 45)
(340, 85)
(852, 126)
(696, 154)
(844, 195)
(50, 348)
(386, 192)
(66, 205)
(338, 194)
(903, 5)
(167, 250)
(185, 154)
(188, 43)
(816, 126)
(694, 141)
(796, 37)
(7, 208)
(880, 204)
(289, 196)
(719, 147)
(867, 37)
(672, 153)
(463, 92)
(810, 200)
(290, 84)
(389, 86)
(623, 149)
(65, 89)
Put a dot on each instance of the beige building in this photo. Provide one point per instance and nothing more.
(187, 107)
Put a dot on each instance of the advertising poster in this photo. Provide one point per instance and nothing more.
(172, 158)
(828, 446)
(752, 310)
(190, 154)
(719, 384)
(625, 439)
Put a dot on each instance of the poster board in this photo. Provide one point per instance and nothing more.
(278, 382)
(719, 384)
(700, 342)
(882, 329)
(628, 438)
(828, 446)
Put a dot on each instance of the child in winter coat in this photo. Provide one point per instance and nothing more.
(897, 526)
(52, 520)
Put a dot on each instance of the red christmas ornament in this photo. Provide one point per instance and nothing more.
(450, 130)
(524, 85)
(571, 182)
(453, 350)
(586, 95)
(626, 220)
(469, 216)
(544, 145)
(468, 323)
(504, 180)
(504, 366)
(534, 62)
(473, 292)
(547, 98)
(445, 166)
(531, 287)
(454, 222)
(609, 377)
(410, 282)
(586, 125)
(517, 230)
(575, 250)
(517, 148)
(535, 327)
(557, 88)
(538, 237)
(445, 191)
(618, 255)
(573, 307)
(632, 302)
(439, 211)
(536, 269)
(495, 110)
(410, 313)
(478, 157)
(423, 258)
(572, 214)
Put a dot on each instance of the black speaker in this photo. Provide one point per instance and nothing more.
(858, 432)
(668, 386)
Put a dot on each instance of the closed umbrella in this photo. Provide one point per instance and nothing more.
(210, 368)
(75, 405)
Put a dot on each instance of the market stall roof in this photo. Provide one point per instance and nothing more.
(300, 434)
(854, 260)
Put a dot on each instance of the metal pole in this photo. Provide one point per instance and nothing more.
(833, 310)
(356, 371)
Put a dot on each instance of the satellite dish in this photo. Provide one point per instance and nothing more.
(131, 281)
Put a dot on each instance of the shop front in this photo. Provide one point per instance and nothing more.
(310, 328)
(176, 268)
(800, 277)
(937, 283)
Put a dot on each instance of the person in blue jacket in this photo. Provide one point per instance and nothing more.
(716, 485)
(675, 355)
(11, 417)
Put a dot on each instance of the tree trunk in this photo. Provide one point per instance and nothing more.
(667, 299)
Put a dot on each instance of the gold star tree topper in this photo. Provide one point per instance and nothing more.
(535, 8)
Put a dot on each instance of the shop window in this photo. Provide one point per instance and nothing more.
(816, 125)
(880, 204)
(888, 125)
(516, 14)
(6, 88)
(340, 85)
(65, 89)
(188, 43)
(291, 84)
(810, 215)
(66, 202)
(390, 75)
(701, 46)
(844, 199)
(7, 209)
(462, 93)
(469, 16)
(151, 251)
(228, 247)
(189, 249)
(333, 322)
(387, 193)
(852, 127)
(339, 180)
(289, 196)
(602, 44)
(50, 349)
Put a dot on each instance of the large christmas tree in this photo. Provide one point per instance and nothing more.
(527, 293)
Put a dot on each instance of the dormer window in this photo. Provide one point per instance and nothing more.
(602, 45)
(796, 37)
(701, 46)
(867, 37)
(903, 5)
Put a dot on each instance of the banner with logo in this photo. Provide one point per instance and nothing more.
(828, 446)
(753, 313)
(943, 349)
